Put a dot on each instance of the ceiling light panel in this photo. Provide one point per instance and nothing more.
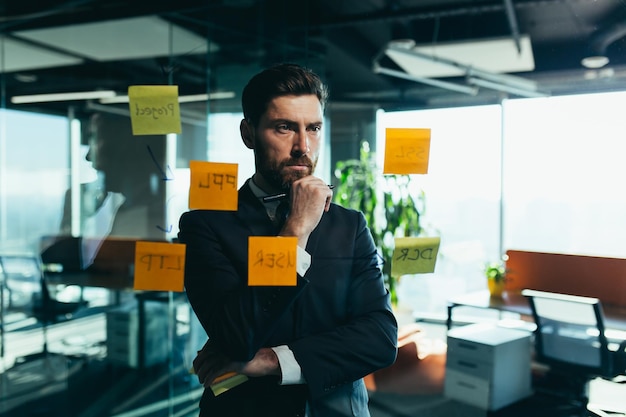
(134, 38)
(44, 98)
(20, 56)
(493, 55)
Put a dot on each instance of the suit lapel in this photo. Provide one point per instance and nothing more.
(311, 246)
(252, 213)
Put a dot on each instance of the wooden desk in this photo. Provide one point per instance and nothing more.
(111, 267)
(515, 302)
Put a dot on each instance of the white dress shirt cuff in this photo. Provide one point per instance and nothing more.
(303, 261)
(289, 367)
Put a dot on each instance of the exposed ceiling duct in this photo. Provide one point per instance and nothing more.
(599, 43)
(483, 63)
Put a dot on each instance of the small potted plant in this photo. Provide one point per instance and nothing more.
(496, 277)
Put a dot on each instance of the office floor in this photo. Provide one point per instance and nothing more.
(402, 401)
(87, 385)
(55, 386)
(75, 378)
(394, 405)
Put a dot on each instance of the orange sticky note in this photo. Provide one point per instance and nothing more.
(406, 151)
(159, 266)
(154, 109)
(272, 260)
(213, 186)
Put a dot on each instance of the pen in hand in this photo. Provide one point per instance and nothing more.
(282, 196)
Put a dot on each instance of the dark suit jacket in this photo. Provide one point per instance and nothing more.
(337, 320)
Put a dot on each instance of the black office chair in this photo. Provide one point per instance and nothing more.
(48, 310)
(570, 339)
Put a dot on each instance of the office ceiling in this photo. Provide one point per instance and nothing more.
(392, 54)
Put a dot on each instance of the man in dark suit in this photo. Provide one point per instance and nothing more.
(305, 348)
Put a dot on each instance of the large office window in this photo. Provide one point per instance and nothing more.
(34, 177)
(225, 144)
(561, 172)
(564, 174)
(462, 191)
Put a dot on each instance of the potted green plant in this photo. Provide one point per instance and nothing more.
(495, 272)
(391, 208)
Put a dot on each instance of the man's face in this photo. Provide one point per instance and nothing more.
(287, 140)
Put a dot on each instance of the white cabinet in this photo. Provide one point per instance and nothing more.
(488, 366)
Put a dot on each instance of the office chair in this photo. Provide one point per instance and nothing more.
(48, 310)
(570, 340)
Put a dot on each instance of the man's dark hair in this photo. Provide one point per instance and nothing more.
(276, 81)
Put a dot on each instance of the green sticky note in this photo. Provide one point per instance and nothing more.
(154, 109)
(414, 255)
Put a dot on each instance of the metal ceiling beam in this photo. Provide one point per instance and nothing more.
(459, 88)
(418, 13)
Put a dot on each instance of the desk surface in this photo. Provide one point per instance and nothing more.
(92, 279)
(515, 302)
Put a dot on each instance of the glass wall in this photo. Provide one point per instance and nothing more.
(78, 189)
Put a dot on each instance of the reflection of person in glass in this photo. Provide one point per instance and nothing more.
(124, 195)
(92, 195)
(134, 186)
(305, 348)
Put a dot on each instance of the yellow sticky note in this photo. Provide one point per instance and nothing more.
(213, 186)
(154, 109)
(406, 151)
(272, 260)
(159, 266)
(414, 255)
(223, 383)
